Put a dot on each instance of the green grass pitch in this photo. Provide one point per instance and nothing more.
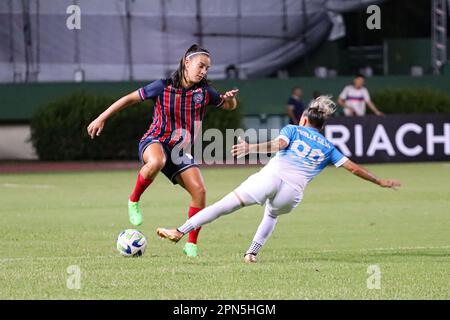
(321, 250)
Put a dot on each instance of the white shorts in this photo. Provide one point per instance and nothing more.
(265, 187)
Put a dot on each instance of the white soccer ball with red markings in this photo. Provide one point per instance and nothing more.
(131, 243)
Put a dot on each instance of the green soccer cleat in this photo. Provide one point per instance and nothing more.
(190, 249)
(134, 212)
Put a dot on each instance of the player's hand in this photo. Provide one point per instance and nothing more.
(393, 184)
(379, 113)
(352, 111)
(230, 94)
(95, 128)
(241, 149)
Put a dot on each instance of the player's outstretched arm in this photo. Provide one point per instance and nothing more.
(367, 175)
(243, 148)
(374, 108)
(96, 126)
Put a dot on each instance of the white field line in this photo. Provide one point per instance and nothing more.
(32, 186)
(381, 249)
(53, 258)
(320, 251)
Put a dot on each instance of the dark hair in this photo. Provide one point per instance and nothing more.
(316, 94)
(319, 110)
(360, 75)
(178, 75)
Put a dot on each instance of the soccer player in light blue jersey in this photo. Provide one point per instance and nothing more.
(302, 153)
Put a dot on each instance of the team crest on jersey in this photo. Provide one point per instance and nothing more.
(198, 97)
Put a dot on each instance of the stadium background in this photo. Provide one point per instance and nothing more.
(53, 219)
(272, 46)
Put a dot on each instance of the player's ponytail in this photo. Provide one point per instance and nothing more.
(178, 75)
(319, 110)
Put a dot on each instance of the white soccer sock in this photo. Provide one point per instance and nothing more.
(228, 204)
(254, 248)
(264, 231)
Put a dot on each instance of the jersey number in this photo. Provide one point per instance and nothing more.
(303, 150)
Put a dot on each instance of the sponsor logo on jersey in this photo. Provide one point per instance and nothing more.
(198, 97)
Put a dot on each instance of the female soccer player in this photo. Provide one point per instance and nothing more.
(302, 154)
(180, 104)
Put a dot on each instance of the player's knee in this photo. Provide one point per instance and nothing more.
(276, 212)
(157, 164)
(199, 192)
(284, 211)
(202, 192)
(153, 166)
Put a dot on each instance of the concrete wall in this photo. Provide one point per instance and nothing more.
(15, 144)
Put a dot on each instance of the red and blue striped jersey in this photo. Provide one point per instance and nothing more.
(178, 112)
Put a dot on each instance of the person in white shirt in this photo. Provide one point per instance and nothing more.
(355, 97)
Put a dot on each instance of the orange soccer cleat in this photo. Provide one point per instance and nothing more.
(250, 258)
(171, 234)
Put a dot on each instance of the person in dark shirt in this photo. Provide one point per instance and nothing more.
(295, 106)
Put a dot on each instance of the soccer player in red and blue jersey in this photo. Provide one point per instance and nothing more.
(180, 105)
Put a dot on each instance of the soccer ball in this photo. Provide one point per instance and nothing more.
(131, 243)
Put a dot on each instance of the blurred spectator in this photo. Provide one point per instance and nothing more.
(295, 106)
(231, 72)
(355, 97)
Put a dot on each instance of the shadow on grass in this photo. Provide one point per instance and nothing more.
(350, 257)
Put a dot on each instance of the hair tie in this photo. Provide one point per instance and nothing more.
(199, 52)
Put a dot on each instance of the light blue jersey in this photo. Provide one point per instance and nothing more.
(307, 154)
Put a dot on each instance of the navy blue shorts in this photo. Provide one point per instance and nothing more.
(171, 169)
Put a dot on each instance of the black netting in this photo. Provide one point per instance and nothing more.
(257, 36)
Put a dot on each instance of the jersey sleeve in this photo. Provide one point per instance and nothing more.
(152, 90)
(215, 98)
(344, 93)
(337, 158)
(287, 133)
(366, 95)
